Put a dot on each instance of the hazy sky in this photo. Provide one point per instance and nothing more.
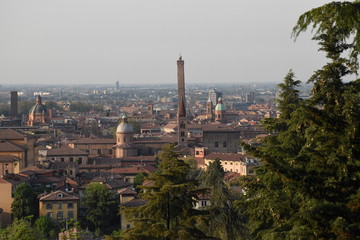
(135, 42)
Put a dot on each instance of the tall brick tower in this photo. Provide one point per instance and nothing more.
(209, 110)
(181, 116)
(13, 105)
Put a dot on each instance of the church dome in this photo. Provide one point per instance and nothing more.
(124, 126)
(38, 107)
(220, 106)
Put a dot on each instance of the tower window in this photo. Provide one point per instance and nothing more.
(224, 144)
(182, 134)
(216, 144)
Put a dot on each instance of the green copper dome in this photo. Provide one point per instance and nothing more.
(220, 106)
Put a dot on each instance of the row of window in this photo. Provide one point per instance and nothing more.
(71, 159)
(60, 215)
(49, 206)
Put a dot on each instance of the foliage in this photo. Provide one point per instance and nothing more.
(21, 229)
(25, 202)
(46, 226)
(168, 212)
(52, 105)
(140, 178)
(115, 235)
(84, 107)
(308, 184)
(101, 206)
(5, 109)
(24, 106)
(135, 125)
(224, 221)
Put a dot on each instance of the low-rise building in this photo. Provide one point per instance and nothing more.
(59, 206)
(234, 162)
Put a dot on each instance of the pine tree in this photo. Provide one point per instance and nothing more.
(168, 212)
(308, 184)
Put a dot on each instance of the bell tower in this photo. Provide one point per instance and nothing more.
(181, 115)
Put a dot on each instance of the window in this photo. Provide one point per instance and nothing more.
(59, 205)
(71, 172)
(231, 163)
(197, 152)
(128, 226)
(225, 163)
(110, 151)
(224, 144)
(71, 214)
(71, 159)
(49, 214)
(70, 205)
(99, 151)
(6, 172)
(182, 125)
(216, 144)
(49, 206)
(80, 160)
(183, 134)
(62, 159)
(59, 215)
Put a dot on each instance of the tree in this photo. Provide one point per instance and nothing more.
(46, 226)
(101, 206)
(224, 221)
(140, 178)
(25, 202)
(168, 212)
(308, 184)
(21, 229)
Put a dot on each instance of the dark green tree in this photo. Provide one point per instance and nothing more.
(46, 226)
(140, 178)
(223, 220)
(25, 202)
(168, 212)
(102, 205)
(308, 184)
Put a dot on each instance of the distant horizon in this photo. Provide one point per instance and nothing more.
(138, 42)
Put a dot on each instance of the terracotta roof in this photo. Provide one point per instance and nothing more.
(127, 191)
(148, 183)
(65, 151)
(6, 146)
(28, 173)
(11, 134)
(95, 140)
(218, 128)
(48, 179)
(109, 183)
(9, 158)
(58, 196)
(168, 139)
(133, 170)
(136, 202)
(230, 176)
(13, 179)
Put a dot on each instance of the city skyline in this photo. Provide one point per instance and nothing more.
(92, 42)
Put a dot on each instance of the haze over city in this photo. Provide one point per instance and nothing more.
(138, 42)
